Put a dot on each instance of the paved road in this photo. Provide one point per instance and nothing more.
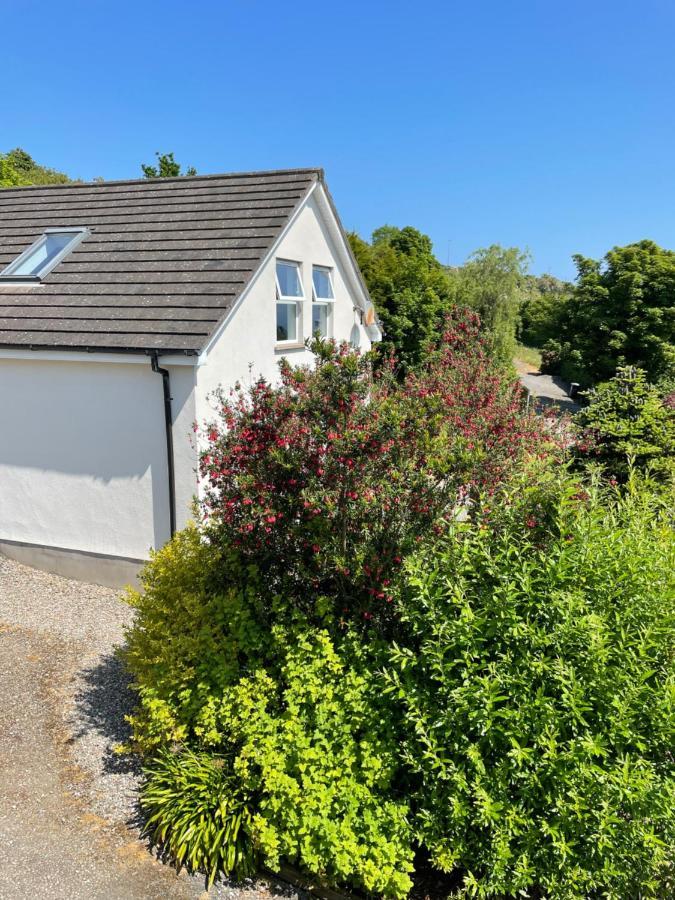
(548, 390)
(65, 798)
(52, 847)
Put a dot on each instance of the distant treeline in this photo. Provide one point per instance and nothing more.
(619, 311)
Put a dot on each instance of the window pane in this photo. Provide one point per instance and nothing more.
(289, 280)
(323, 289)
(320, 319)
(49, 247)
(287, 322)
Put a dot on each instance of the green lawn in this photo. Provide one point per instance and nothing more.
(529, 355)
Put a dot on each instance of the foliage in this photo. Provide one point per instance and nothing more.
(627, 421)
(191, 631)
(411, 290)
(303, 750)
(538, 682)
(316, 745)
(196, 814)
(17, 169)
(325, 483)
(542, 309)
(491, 282)
(621, 312)
(166, 167)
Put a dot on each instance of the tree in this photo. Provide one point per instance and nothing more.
(542, 309)
(621, 312)
(411, 290)
(492, 283)
(166, 167)
(627, 422)
(19, 168)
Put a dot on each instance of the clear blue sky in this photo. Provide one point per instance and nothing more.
(548, 125)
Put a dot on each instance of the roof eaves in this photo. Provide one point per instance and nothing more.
(317, 172)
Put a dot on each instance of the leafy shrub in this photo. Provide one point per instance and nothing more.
(627, 421)
(325, 483)
(193, 629)
(537, 682)
(197, 815)
(295, 760)
(315, 744)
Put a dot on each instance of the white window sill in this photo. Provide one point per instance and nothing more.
(290, 345)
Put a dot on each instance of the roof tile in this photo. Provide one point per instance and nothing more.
(164, 262)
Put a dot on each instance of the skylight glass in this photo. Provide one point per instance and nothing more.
(41, 257)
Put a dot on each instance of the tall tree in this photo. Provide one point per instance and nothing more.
(621, 312)
(492, 282)
(411, 290)
(166, 167)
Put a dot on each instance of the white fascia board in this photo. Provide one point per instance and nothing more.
(171, 359)
(339, 242)
(217, 334)
(343, 250)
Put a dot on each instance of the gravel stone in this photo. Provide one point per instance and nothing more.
(69, 815)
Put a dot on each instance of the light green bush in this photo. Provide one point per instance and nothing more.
(317, 746)
(538, 685)
(191, 632)
(303, 738)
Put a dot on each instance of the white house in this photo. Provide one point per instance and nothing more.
(123, 306)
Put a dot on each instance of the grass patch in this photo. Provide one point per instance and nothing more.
(529, 355)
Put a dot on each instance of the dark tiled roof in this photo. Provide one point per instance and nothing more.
(164, 262)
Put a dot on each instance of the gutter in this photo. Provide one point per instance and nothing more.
(168, 422)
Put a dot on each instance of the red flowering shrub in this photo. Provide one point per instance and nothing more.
(326, 482)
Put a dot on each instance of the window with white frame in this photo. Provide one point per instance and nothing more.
(322, 301)
(289, 301)
(45, 253)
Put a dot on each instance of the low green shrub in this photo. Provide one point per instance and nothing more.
(538, 689)
(194, 626)
(316, 744)
(299, 735)
(197, 815)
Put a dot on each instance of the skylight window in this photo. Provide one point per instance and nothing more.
(41, 257)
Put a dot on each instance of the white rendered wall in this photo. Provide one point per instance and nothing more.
(247, 348)
(83, 454)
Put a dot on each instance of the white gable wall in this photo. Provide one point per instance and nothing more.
(246, 348)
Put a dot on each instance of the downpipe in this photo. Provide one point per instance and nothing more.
(168, 423)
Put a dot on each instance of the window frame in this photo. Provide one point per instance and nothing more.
(328, 302)
(284, 299)
(79, 232)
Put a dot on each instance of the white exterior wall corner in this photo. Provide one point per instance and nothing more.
(83, 467)
(245, 347)
(83, 464)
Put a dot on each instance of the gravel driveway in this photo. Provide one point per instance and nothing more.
(67, 800)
